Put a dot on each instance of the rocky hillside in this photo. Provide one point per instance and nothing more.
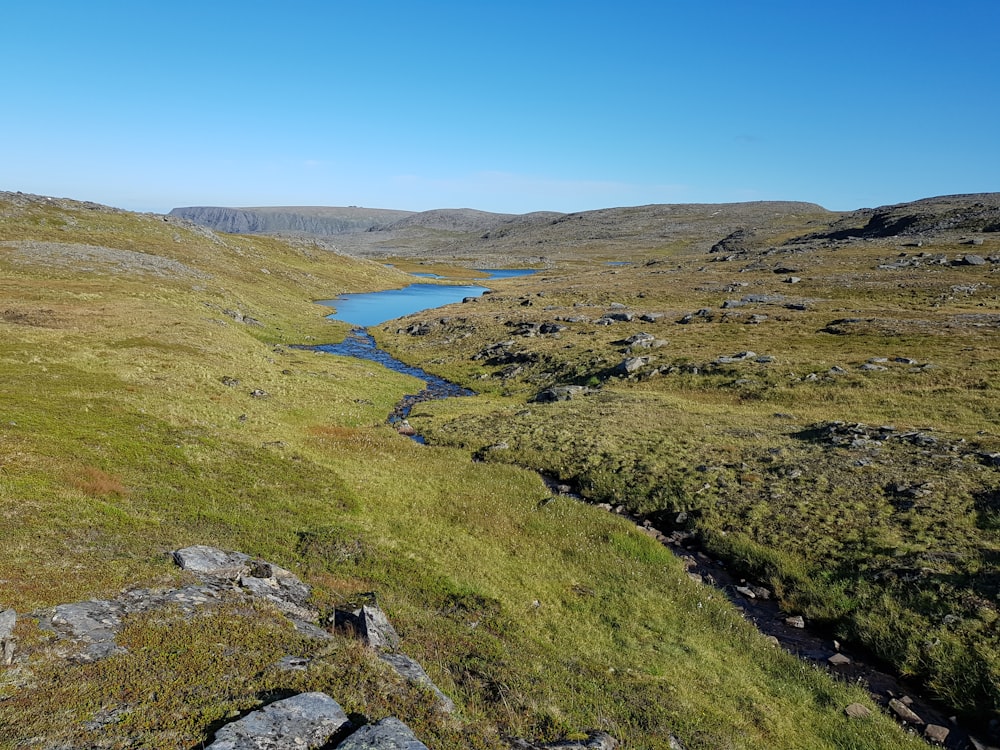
(158, 401)
(317, 221)
(930, 217)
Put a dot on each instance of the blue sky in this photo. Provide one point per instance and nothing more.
(510, 107)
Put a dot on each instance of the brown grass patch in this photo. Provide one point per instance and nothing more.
(98, 483)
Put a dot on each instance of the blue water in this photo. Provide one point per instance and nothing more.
(491, 273)
(361, 345)
(506, 273)
(378, 307)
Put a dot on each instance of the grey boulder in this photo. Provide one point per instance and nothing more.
(388, 734)
(307, 720)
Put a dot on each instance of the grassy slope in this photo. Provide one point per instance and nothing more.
(832, 528)
(119, 442)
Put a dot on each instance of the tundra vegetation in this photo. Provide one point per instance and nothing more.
(153, 399)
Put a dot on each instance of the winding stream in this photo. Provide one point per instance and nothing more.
(810, 645)
(360, 344)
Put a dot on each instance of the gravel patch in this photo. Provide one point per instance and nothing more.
(96, 259)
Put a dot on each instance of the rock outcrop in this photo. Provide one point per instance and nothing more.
(307, 720)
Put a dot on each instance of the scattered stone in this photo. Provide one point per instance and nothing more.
(259, 393)
(740, 357)
(631, 365)
(559, 393)
(839, 660)
(641, 339)
(795, 622)
(857, 711)
(388, 734)
(292, 664)
(793, 280)
(936, 733)
(654, 317)
(307, 720)
(370, 624)
(8, 618)
(869, 367)
(904, 712)
(746, 591)
(230, 382)
(403, 427)
(971, 260)
(412, 672)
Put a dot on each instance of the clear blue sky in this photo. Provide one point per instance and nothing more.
(512, 107)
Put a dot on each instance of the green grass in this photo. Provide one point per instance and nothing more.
(734, 445)
(120, 442)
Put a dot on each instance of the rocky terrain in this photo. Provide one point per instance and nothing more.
(790, 413)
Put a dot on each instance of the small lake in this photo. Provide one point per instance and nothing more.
(371, 309)
(374, 308)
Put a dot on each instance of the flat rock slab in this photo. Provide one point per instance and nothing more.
(211, 561)
(307, 720)
(223, 576)
(258, 578)
(388, 734)
(93, 623)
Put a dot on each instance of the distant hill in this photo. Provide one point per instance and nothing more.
(312, 220)
(541, 236)
(974, 212)
(452, 219)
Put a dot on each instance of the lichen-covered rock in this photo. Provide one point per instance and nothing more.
(388, 734)
(256, 577)
(93, 623)
(307, 720)
(211, 561)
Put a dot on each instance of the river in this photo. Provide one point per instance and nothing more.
(812, 646)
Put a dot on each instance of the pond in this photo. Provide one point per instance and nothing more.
(371, 309)
(374, 308)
